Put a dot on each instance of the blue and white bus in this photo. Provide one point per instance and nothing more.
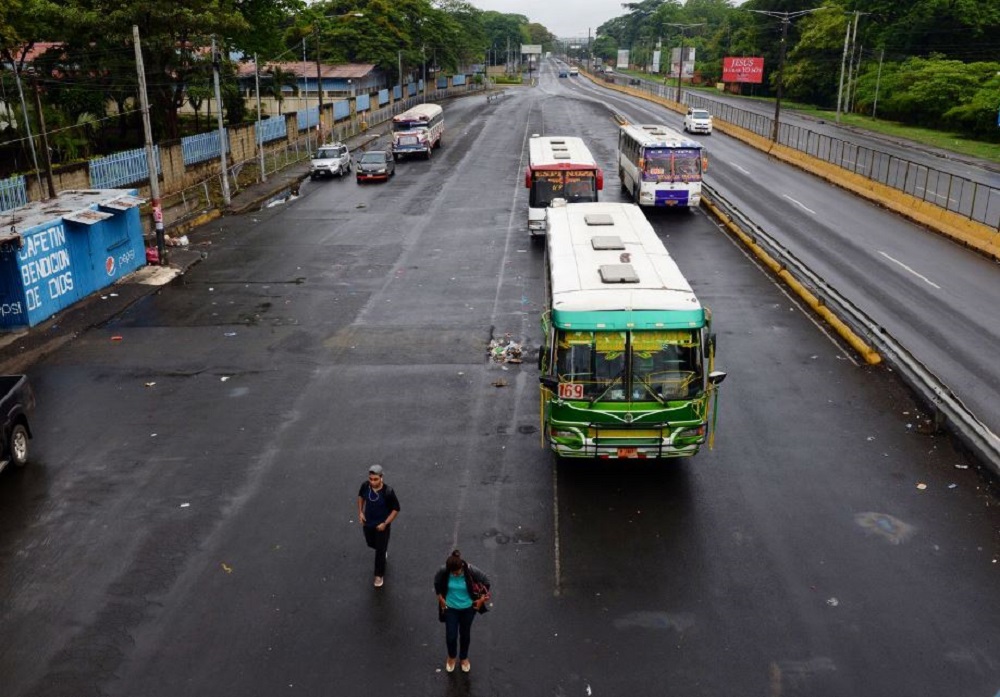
(659, 166)
(627, 366)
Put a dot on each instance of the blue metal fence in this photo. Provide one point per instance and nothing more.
(308, 117)
(13, 193)
(411, 89)
(458, 80)
(202, 147)
(442, 82)
(363, 102)
(383, 97)
(341, 110)
(397, 92)
(271, 129)
(121, 168)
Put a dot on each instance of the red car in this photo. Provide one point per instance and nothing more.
(375, 165)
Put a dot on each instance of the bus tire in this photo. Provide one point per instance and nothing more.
(621, 180)
(19, 445)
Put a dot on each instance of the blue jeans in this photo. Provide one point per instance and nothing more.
(458, 631)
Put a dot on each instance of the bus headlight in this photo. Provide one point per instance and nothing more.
(697, 432)
(536, 224)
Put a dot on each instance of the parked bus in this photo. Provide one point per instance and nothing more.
(417, 130)
(627, 364)
(659, 166)
(559, 167)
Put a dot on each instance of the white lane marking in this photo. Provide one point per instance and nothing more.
(745, 171)
(797, 203)
(920, 276)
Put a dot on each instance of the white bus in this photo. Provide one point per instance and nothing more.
(627, 364)
(559, 167)
(417, 130)
(659, 166)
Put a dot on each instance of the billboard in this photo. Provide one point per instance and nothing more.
(675, 59)
(743, 70)
(531, 49)
(622, 59)
(656, 61)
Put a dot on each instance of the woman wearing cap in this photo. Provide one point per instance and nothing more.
(377, 508)
(462, 591)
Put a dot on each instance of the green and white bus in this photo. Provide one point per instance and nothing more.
(628, 359)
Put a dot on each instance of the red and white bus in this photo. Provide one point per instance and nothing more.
(417, 130)
(559, 167)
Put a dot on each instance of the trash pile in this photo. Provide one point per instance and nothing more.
(505, 350)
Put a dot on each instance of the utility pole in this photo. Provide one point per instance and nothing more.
(680, 61)
(319, 94)
(843, 63)
(154, 179)
(222, 129)
(260, 136)
(423, 55)
(786, 19)
(878, 80)
(850, 65)
(45, 138)
(27, 126)
(399, 61)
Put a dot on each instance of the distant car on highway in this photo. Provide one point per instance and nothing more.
(563, 73)
(375, 165)
(698, 121)
(573, 72)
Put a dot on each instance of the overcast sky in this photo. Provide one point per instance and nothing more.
(564, 18)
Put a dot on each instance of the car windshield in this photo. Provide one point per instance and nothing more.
(576, 186)
(373, 158)
(700, 114)
(329, 153)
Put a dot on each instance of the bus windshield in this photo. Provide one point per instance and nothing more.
(576, 186)
(672, 165)
(639, 366)
(409, 125)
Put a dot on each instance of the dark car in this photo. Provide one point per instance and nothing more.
(375, 165)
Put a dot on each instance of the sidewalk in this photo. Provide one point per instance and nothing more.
(20, 349)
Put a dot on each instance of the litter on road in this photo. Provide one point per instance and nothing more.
(505, 350)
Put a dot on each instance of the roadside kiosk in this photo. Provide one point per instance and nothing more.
(56, 252)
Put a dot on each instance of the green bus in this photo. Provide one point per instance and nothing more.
(628, 360)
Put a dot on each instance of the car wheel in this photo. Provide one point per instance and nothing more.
(19, 445)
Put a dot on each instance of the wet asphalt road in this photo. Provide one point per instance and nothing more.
(188, 526)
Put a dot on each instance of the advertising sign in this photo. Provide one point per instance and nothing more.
(531, 49)
(656, 61)
(675, 59)
(743, 70)
(622, 59)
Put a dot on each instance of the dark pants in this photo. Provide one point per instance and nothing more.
(458, 630)
(379, 541)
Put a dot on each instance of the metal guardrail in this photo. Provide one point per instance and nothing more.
(966, 425)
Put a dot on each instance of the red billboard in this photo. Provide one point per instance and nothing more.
(742, 69)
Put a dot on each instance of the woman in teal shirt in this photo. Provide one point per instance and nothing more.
(462, 591)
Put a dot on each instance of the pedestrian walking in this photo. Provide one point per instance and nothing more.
(377, 508)
(462, 591)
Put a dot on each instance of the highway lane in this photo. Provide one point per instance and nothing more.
(938, 298)
(965, 185)
(197, 536)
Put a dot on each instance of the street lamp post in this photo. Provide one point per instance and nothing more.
(786, 19)
(680, 58)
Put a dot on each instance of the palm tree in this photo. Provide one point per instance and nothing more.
(279, 79)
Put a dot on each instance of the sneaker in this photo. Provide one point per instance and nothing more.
(466, 666)
(379, 581)
(449, 665)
